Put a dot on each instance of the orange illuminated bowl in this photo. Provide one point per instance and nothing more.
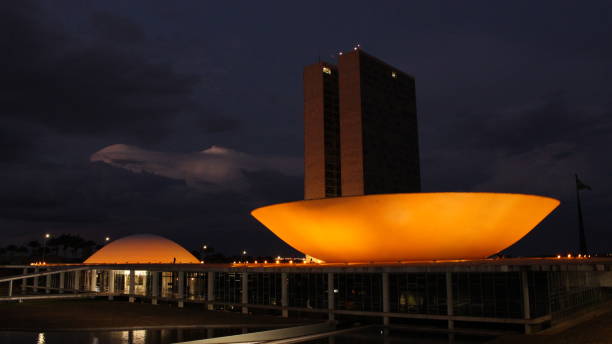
(397, 227)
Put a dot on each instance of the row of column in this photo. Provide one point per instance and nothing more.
(155, 275)
(47, 287)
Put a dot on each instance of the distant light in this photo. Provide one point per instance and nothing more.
(244, 252)
(107, 239)
(255, 262)
(558, 256)
(340, 53)
(327, 70)
(234, 262)
(355, 48)
(265, 262)
(394, 75)
(278, 262)
(291, 262)
(205, 247)
(47, 235)
(279, 257)
(569, 255)
(336, 291)
(201, 262)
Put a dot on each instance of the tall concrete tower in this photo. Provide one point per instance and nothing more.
(361, 134)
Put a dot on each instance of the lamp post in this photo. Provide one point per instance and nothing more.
(47, 236)
(244, 253)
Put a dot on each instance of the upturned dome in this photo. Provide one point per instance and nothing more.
(142, 249)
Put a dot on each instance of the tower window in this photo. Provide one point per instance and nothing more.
(326, 70)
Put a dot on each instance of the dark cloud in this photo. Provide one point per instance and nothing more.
(50, 77)
(116, 29)
(217, 124)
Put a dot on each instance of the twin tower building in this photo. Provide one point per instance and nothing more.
(360, 128)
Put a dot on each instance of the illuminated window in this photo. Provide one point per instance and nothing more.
(393, 75)
(326, 70)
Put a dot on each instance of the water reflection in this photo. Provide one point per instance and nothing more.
(139, 337)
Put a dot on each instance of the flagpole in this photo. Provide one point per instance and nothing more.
(583, 245)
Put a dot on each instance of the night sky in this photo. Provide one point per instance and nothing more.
(178, 118)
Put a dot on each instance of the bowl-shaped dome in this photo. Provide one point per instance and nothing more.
(141, 249)
(396, 227)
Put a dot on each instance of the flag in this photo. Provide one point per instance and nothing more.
(580, 185)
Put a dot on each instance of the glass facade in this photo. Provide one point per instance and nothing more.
(562, 292)
(265, 289)
(420, 293)
(196, 285)
(358, 291)
(488, 294)
(307, 290)
(228, 287)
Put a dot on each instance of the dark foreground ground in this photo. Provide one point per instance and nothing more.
(78, 314)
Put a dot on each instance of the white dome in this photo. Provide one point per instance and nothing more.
(141, 249)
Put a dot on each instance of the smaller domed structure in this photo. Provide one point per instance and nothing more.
(142, 249)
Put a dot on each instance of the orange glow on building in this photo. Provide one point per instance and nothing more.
(140, 249)
(396, 227)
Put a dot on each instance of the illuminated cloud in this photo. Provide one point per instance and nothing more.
(213, 169)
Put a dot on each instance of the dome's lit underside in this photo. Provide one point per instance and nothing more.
(396, 227)
(141, 249)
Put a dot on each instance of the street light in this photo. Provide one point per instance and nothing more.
(107, 239)
(47, 236)
(244, 252)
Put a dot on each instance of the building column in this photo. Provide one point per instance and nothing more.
(284, 295)
(35, 285)
(24, 281)
(385, 297)
(132, 289)
(10, 289)
(62, 282)
(181, 288)
(154, 286)
(77, 281)
(210, 280)
(111, 284)
(244, 277)
(526, 307)
(48, 283)
(450, 300)
(93, 279)
(331, 296)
